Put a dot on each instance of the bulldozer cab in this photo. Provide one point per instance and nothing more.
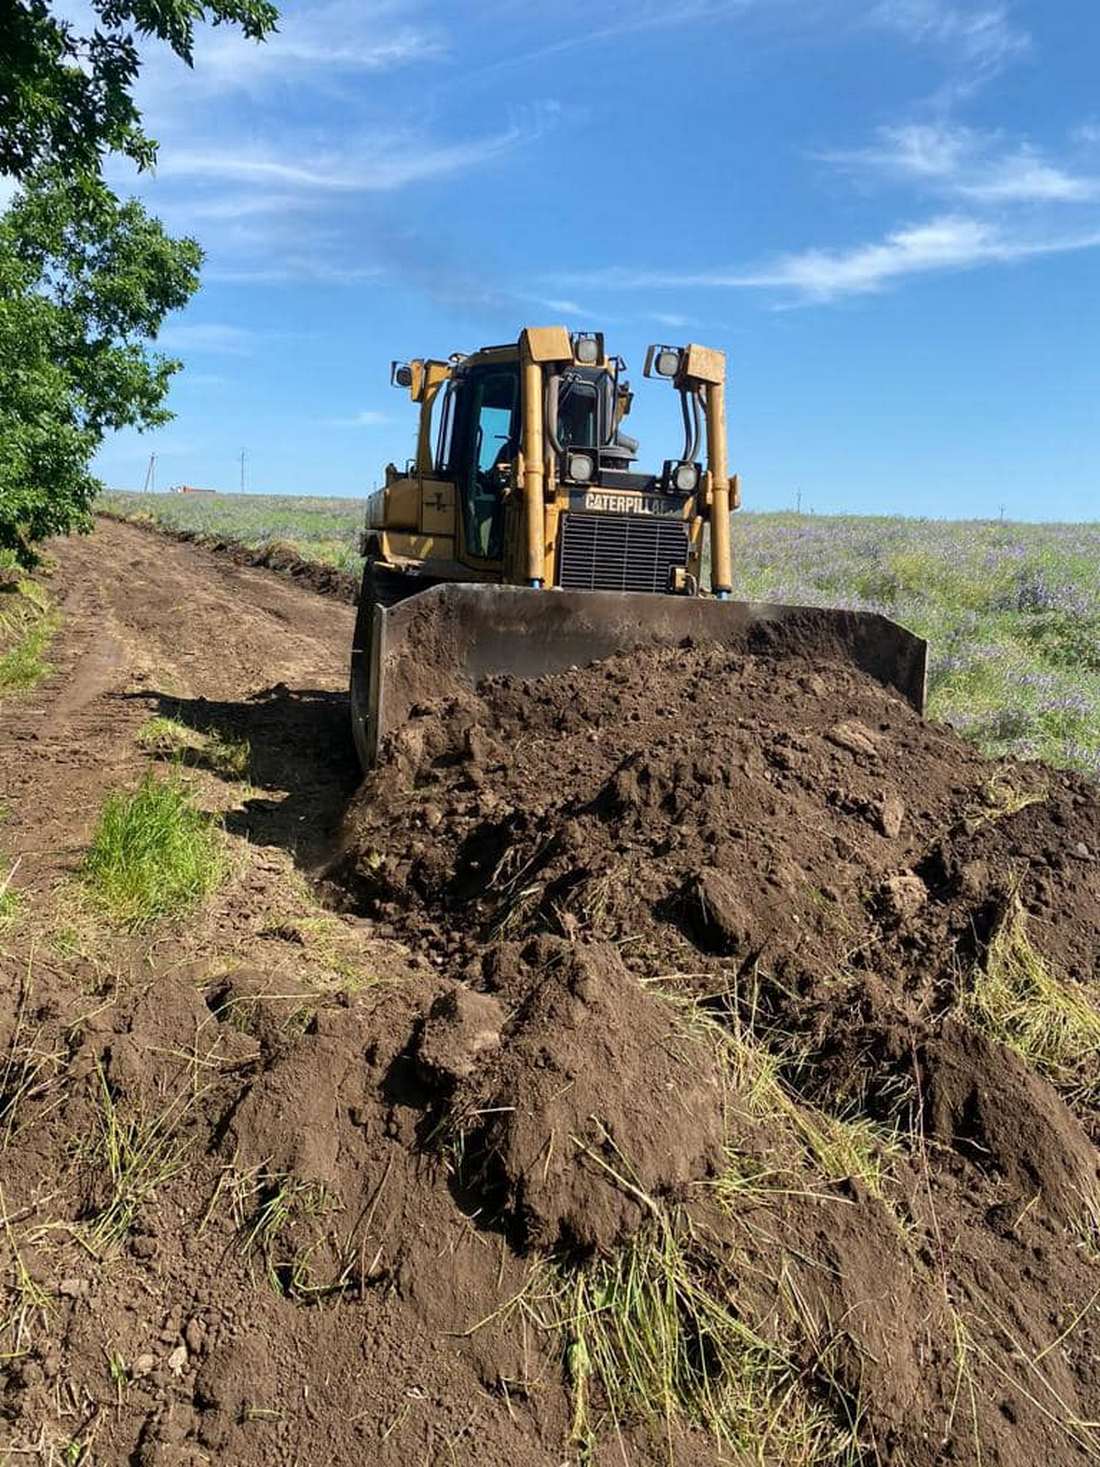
(523, 474)
(486, 404)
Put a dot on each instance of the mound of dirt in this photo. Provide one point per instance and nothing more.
(736, 1105)
(789, 849)
(273, 555)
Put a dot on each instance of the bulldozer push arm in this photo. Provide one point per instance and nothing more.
(521, 539)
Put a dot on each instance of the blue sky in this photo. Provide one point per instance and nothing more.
(886, 211)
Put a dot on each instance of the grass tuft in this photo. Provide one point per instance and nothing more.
(23, 1301)
(10, 905)
(27, 627)
(998, 798)
(284, 1221)
(153, 853)
(165, 736)
(1051, 1024)
(837, 1147)
(30, 1072)
(651, 1336)
(224, 753)
(134, 1155)
(229, 756)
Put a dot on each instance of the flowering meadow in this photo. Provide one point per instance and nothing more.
(1012, 611)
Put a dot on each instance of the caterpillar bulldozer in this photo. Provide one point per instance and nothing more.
(521, 539)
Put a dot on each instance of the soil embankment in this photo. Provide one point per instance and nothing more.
(702, 1069)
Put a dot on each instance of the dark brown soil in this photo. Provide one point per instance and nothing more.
(795, 847)
(614, 953)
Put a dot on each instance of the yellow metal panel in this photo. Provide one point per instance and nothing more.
(492, 356)
(705, 364)
(416, 386)
(437, 507)
(403, 547)
(548, 344)
(376, 510)
(402, 505)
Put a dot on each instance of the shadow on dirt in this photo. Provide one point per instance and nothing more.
(300, 756)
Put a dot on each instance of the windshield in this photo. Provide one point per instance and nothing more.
(584, 416)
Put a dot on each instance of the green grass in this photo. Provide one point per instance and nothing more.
(133, 1155)
(228, 755)
(153, 854)
(28, 623)
(325, 530)
(23, 1303)
(165, 736)
(225, 753)
(285, 1221)
(1011, 612)
(834, 1147)
(10, 907)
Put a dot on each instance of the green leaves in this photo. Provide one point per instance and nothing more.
(85, 281)
(66, 96)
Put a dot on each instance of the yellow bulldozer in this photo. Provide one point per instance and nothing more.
(522, 540)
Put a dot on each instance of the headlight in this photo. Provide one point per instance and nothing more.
(586, 349)
(686, 478)
(581, 467)
(679, 476)
(663, 361)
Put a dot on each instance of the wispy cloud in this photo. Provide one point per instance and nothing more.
(208, 336)
(981, 38)
(379, 163)
(199, 379)
(369, 418)
(1025, 178)
(969, 165)
(315, 46)
(294, 269)
(560, 305)
(641, 17)
(947, 243)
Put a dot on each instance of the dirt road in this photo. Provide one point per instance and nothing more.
(154, 627)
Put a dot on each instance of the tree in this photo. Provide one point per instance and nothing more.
(66, 97)
(85, 282)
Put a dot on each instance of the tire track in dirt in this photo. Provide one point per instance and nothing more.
(152, 627)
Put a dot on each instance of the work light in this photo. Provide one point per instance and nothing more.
(663, 361)
(586, 348)
(580, 467)
(680, 477)
(401, 374)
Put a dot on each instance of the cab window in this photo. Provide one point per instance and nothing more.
(490, 402)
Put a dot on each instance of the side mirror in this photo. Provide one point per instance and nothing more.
(502, 478)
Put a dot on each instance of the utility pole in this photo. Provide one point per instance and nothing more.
(799, 501)
(242, 470)
(151, 475)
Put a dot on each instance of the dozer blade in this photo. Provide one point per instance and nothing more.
(448, 638)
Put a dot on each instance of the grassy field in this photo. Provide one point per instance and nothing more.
(1012, 611)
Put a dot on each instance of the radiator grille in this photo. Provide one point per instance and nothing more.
(619, 552)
